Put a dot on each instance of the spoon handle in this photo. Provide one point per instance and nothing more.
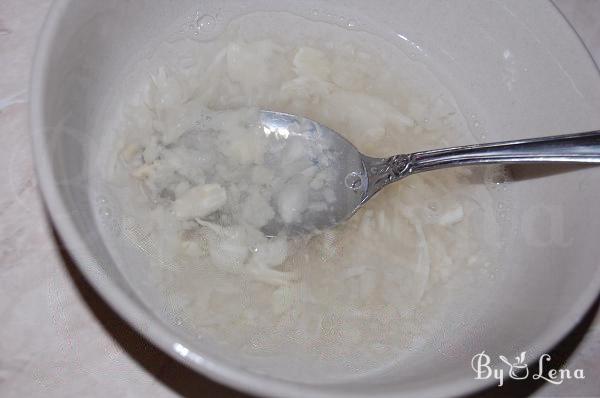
(571, 148)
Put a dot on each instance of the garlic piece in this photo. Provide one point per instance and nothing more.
(200, 201)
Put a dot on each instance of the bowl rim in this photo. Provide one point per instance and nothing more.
(157, 332)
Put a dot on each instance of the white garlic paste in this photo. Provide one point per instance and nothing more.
(199, 187)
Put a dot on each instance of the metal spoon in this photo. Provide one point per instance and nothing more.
(357, 177)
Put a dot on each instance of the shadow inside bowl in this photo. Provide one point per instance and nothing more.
(177, 377)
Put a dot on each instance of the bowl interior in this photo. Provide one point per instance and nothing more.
(518, 61)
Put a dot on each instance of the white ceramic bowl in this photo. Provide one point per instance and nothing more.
(518, 60)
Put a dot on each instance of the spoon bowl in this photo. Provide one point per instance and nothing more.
(345, 184)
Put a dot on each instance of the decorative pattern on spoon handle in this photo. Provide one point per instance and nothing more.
(382, 172)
